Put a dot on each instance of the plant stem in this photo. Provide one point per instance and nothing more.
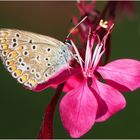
(46, 130)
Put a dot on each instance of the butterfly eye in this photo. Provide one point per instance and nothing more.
(14, 45)
(37, 75)
(20, 80)
(23, 78)
(68, 42)
(17, 73)
(23, 64)
(46, 59)
(20, 59)
(14, 40)
(12, 68)
(46, 75)
(33, 70)
(48, 64)
(5, 52)
(48, 49)
(30, 41)
(12, 55)
(34, 47)
(17, 35)
(9, 62)
(25, 53)
(28, 68)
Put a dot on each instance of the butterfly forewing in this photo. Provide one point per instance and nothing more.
(32, 58)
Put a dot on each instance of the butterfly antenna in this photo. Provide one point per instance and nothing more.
(76, 26)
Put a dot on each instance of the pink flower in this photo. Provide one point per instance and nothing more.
(88, 99)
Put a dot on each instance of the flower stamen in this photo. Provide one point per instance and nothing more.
(103, 24)
(77, 54)
(88, 53)
(98, 55)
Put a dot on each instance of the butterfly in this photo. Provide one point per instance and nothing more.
(32, 58)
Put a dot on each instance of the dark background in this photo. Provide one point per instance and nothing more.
(21, 111)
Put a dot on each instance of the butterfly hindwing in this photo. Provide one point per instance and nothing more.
(32, 58)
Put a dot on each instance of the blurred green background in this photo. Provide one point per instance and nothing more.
(21, 110)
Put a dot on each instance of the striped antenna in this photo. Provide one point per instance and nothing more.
(76, 26)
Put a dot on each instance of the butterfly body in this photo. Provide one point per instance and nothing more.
(32, 58)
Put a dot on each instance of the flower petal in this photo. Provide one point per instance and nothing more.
(112, 97)
(73, 82)
(123, 74)
(78, 110)
(57, 79)
(102, 107)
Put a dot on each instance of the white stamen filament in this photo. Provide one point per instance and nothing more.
(88, 53)
(97, 56)
(94, 54)
(78, 55)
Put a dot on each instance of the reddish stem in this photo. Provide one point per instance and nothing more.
(46, 130)
(110, 8)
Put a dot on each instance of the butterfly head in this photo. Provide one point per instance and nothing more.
(68, 42)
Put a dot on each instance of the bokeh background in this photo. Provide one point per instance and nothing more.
(21, 110)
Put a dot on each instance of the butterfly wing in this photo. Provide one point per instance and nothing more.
(32, 58)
